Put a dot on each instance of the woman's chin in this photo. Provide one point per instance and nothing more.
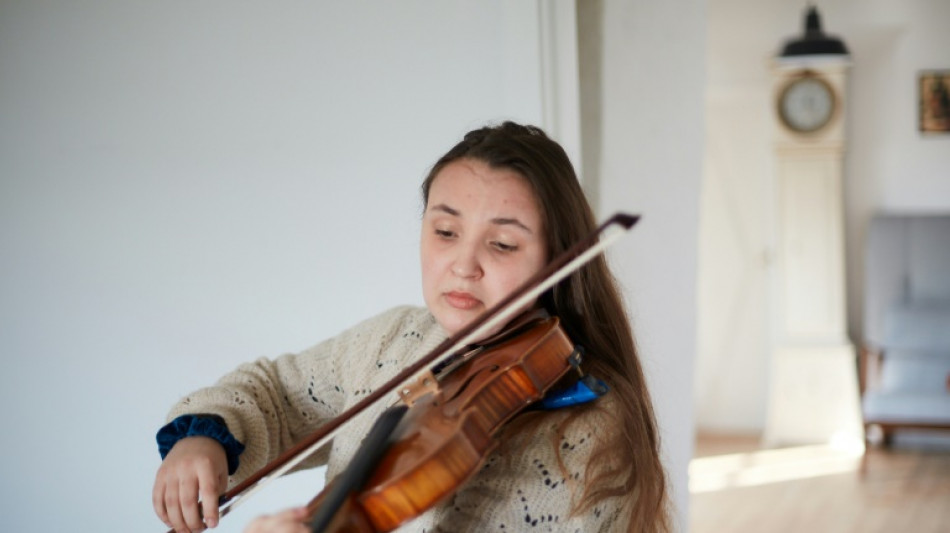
(451, 327)
(454, 320)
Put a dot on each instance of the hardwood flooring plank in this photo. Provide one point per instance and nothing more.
(895, 491)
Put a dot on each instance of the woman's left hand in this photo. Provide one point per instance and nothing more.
(289, 521)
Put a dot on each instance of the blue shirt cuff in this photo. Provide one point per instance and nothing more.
(210, 426)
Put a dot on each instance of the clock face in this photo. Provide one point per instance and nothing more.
(806, 104)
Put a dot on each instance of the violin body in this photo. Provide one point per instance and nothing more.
(446, 435)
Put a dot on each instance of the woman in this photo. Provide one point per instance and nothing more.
(497, 207)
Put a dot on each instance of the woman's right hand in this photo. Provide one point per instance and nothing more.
(195, 469)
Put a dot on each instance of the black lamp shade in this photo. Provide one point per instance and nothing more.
(814, 42)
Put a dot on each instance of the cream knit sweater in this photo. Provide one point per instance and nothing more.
(269, 404)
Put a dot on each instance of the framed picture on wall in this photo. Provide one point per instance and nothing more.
(933, 90)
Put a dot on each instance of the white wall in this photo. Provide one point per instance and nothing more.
(644, 140)
(888, 166)
(185, 186)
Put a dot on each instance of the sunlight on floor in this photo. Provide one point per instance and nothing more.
(720, 472)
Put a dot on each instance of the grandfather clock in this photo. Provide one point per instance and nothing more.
(813, 395)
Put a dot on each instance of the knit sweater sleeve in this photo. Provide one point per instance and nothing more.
(269, 405)
(523, 487)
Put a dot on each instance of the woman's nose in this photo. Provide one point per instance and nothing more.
(466, 263)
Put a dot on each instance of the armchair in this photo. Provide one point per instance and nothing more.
(905, 358)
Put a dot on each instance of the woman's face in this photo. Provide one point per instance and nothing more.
(482, 237)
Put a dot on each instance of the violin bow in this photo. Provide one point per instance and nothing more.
(559, 268)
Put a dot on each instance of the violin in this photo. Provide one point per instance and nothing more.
(446, 433)
(454, 401)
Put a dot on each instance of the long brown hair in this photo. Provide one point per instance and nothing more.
(626, 464)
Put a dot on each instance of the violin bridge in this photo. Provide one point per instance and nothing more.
(426, 384)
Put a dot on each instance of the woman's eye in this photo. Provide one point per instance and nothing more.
(504, 247)
(444, 233)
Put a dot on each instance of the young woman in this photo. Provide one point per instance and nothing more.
(497, 207)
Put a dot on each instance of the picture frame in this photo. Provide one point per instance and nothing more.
(933, 93)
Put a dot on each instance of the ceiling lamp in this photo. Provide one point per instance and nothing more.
(814, 42)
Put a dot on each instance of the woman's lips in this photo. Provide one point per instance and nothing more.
(461, 300)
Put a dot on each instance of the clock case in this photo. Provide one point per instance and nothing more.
(813, 392)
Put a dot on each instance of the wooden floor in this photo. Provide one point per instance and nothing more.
(816, 490)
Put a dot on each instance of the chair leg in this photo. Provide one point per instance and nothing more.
(863, 466)
(887, 437)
